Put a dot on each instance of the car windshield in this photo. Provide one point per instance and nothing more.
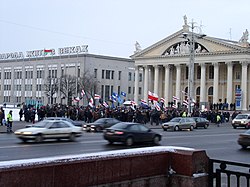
(42, 124)
(101, 120)
(241, 117)
(119, 126)
(175, 120)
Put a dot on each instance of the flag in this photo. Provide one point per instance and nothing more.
(115, 94)
(185, 102)
(175, 98)
(152, 96)
(119, 99)
(76, 99)
(123, 94)
(174, 106)
(47, 51)
(112, 98)
(143, 102)
(97, 96)
(82, 92)
(91, 102)
(105, 104)
(185, 93)
(157, 106)
(133, 103)
(163, 100)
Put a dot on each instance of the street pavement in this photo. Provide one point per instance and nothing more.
(21, 124)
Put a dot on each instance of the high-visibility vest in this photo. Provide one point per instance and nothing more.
(9, 117)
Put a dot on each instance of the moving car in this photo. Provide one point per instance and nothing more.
(244, 139)
(201, 122)
(49, 129)
(241, 120)
(179, 123)
(130, 133)
(76, 123)
(100, 124)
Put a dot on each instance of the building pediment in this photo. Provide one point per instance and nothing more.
(178, 44)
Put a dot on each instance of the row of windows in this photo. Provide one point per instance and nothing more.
(211, 73)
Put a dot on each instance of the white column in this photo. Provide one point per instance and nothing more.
(244, 85)
(166, 86)
(178, 80)
(203, 83)
(216, 83)
(136, 94)
(146, 83)
(229, 82)
(156, 80)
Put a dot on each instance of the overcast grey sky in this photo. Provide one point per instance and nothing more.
(111, 27)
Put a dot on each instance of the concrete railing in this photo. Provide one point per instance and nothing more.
(153, 166)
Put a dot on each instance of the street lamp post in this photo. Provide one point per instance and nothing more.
(191, 71)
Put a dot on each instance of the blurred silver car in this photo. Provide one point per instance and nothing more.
(179, 123)
(49, 129)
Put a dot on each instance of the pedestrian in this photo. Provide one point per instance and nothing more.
(2, 116)
(20, 114)
(9, 122)
(218, 119)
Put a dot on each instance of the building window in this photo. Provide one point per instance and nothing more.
(210, 91)
(95, 73)
(129, 76)
(103, 71)
(139, 90)
(62, 70)
(119, 90)
(107, 93)
(211, 72)
(7, 75)
(112, 74)
(237, 75)
(119, 75)
(107, 74)
(198, 72)
(129, 90)
(140, 77)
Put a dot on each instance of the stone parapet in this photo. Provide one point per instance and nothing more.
(152, 166)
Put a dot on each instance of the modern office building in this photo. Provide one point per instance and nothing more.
(220, 68)
(23, 78)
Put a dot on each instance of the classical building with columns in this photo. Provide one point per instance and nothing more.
(220, 68)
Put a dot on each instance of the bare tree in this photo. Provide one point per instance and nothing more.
(51, 87)
(68, 87)
(89, 83)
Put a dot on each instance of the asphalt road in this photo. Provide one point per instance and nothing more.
(219, 143)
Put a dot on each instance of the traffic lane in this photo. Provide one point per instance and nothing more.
(214, 142)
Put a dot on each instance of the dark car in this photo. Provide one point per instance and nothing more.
(244, 139)
(100, 124)
(201, 122)
(130, 133)
(76, 123)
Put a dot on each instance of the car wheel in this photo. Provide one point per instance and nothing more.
(191, 128)
(244, 146)
(39, 138)
(234, 127)
(156, 140)
(205, 126)
(110, 142)
(72, 137)
(129, 141)
(98, 129)
(176, 128)
(24, 140)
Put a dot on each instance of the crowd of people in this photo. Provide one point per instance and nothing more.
(123, 113)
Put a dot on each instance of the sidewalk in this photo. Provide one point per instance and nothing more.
(15, 126)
